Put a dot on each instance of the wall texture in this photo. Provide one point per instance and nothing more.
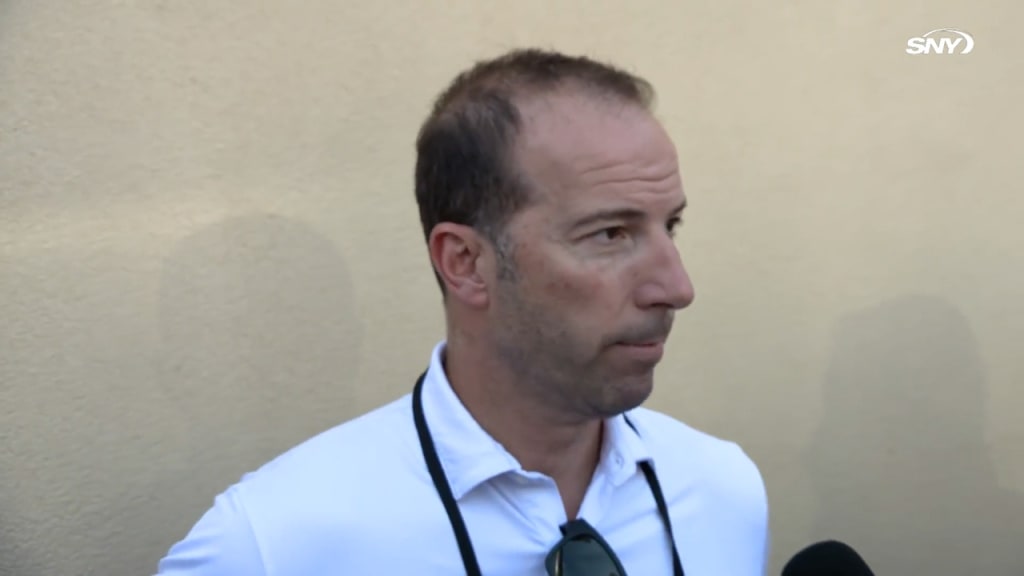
(209, 251)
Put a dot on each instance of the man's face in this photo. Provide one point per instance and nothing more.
(597, 276)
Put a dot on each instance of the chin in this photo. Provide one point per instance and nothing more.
(628, 393)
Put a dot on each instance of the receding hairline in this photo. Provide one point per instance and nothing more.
(537, 111)
(531, 106)
(526, 71)
(495, 98)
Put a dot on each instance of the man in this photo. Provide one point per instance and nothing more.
(549, 196)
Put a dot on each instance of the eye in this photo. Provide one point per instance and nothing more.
(673, 226)
(611, 234)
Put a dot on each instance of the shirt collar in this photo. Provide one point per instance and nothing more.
(622, 449)
(470, 456)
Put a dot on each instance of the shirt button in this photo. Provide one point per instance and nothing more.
(618, 460)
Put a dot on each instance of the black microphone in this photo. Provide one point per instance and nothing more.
(827, 558)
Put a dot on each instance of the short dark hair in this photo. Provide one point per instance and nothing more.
(464, 166)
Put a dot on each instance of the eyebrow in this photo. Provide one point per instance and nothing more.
(618, 214)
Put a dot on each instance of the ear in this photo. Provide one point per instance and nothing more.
(458, 254)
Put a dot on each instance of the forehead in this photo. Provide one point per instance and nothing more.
(576, 150)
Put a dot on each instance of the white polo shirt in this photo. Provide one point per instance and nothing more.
(358, 500)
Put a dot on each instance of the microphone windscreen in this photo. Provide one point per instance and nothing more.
(827, 558)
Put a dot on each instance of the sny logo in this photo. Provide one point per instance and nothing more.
(953, 41)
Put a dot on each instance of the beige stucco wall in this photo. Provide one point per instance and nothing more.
(209, 251)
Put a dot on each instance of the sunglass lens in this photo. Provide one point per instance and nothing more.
(584, 556)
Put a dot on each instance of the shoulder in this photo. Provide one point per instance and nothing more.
(220, 543)
(382, 436)
(660, 430)
(718, 465)
(337, 474)
(714, 490)
(312, 492)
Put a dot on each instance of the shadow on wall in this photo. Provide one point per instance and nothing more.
(259, 344)
(900, 464)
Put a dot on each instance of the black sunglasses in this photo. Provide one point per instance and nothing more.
(582, 552)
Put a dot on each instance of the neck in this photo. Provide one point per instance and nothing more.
(539, 435)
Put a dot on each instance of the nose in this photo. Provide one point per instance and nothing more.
(666, 282)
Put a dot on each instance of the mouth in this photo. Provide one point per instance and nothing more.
(643, 351)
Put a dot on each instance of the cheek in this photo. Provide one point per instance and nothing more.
(581, 303)
(573, 292)
(576, 292)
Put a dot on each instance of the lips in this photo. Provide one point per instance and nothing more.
(647, 334)
(646, 341)
(644, 351)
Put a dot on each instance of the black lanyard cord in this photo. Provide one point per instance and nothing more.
(455, 516)
(441, 482)
(652, 481)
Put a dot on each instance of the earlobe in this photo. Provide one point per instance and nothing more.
(455, 251)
